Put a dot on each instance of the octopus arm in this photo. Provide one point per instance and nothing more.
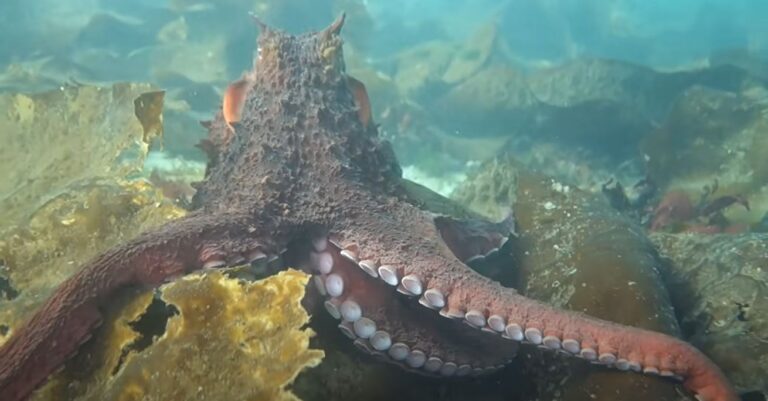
(484, 303)
(409, 253)
(68, 318)
(617, 346)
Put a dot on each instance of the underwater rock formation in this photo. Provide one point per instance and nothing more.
(647, 92)
(425, 70)
(497, 99)
(601, 105)
(719, 287)
(420, 68)
(482, 49)
(712, 135)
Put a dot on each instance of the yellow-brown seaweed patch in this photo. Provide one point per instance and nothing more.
(68, 230)
(54, 139)
(232, 340)
(65, 155)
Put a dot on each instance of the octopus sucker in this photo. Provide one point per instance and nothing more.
(395, 276)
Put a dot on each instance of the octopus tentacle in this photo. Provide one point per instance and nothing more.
(625, 348)
(422, 267)
(67, 319)
(395, 331)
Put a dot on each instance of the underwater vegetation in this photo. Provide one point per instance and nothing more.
(65, 194)
(44, 134)
(213, 347)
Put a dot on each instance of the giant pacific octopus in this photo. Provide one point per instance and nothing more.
(297, 169)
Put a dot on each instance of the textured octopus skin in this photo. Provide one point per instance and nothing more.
(300, 167)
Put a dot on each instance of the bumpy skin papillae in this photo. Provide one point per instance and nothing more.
(300, 165)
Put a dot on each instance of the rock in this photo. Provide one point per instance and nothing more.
(742, 58)
(587, 80)
(601, 105)
(495, 101)
(715, 135)
(485, 47)
(611, 105)
(420, 68)
(719, 287)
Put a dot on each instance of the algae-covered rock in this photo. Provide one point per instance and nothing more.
(610, 105)
(575, 252)
(231, 340)
(492, 190)
(495, 100)
(483, 48)
(719, 286)
(54, 139)
(420, 67)
(715, 135)
(587, 80)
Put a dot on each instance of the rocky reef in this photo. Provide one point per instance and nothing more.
(713, 135)
(719, 286)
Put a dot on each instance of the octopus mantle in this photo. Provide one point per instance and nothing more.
(297, 170)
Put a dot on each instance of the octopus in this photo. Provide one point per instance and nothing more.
(298, 170)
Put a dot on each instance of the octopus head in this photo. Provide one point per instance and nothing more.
(311, 59)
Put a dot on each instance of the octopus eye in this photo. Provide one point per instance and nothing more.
(258, 53)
